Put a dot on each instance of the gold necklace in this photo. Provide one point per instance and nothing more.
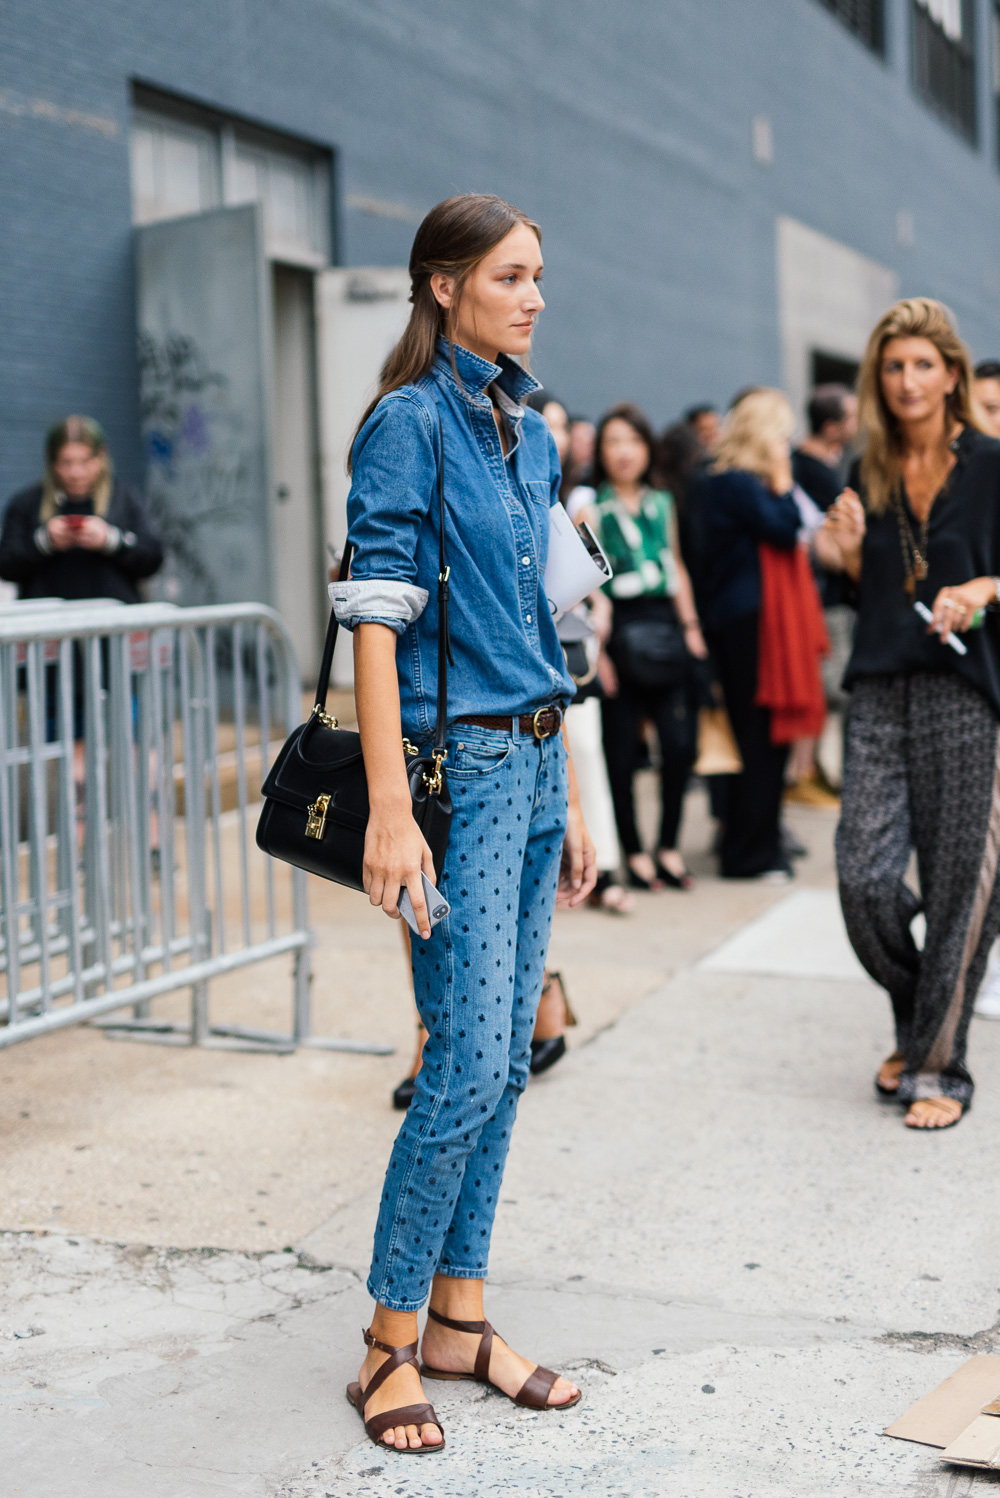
(914, 554)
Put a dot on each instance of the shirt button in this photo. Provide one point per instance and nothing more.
(528, 617)
(526, 561)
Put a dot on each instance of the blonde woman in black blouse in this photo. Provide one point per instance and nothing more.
(922, 769)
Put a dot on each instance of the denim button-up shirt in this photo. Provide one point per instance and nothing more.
(507, 657)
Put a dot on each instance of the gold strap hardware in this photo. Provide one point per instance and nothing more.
(409, 748)
(316, 823)
(433, 782)
(444, 576)
(323, 716)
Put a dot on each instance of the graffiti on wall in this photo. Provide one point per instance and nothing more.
(199, 463)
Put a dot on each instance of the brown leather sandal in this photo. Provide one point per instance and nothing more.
(409, 1414)
(880, 1087)
(533, 1393)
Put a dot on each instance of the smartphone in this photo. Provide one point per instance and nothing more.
(437, 906)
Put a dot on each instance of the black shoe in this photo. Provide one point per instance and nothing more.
(790, 845)
(403, 1096)
(545, 1053)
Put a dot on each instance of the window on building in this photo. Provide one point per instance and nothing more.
(866, 18)
(175, 169)
(944, 60)
(186, 160)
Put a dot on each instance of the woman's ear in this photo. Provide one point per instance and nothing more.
(443, 288)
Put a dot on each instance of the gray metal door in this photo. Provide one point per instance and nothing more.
(204, 296)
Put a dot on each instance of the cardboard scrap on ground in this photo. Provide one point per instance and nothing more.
(961, 1416)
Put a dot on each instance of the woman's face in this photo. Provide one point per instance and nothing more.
(558, 424)
(77, 469)
(915, 379)
(623, 452)
(501, 299)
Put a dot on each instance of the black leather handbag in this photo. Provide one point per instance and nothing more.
(650, 653)
(316, 796)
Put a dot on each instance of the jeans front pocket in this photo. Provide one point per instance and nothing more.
(473, 757)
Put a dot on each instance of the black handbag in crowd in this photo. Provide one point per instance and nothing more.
(316, 796)
(650, 654)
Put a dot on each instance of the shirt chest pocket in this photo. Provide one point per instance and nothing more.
(538, 491)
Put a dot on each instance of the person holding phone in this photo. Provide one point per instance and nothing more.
(451, 401)
(922, 766)
(79, 533)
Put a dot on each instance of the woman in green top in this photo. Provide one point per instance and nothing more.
(654, 637)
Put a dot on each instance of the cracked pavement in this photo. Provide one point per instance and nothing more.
(744, 1260)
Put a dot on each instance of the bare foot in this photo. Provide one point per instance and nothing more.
(400, 1389)
(672, 864)
(616, 901)
(645, 869)
(455, 1352)
(551, 1019)
(890, 1070)
(933, 1113)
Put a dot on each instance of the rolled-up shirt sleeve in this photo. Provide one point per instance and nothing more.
(394, 480)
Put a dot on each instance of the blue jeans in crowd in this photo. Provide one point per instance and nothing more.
(477, 982)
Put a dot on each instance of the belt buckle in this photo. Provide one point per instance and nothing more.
(547, 734)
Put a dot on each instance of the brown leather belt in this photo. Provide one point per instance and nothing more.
(543, 724)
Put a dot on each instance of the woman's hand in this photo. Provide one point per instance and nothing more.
(695, 641)
(839, 541)
(955, 608)
(395, 853)
(61, 533)
(578, 873)
(607, 675)
(93, 534)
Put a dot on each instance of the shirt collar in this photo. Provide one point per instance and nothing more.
(476, 374)
(963, 444)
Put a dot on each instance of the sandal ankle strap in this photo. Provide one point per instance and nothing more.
(371, 1341)
(398, 1357)
(475, 1328)
(480, 1329)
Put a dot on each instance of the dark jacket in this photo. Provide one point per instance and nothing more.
(78, 573)
(735, 513)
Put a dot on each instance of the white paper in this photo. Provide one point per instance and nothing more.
(572, 573)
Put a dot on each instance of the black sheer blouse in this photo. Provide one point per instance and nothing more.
(963, 542)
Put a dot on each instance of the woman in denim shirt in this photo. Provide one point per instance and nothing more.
(516, 836)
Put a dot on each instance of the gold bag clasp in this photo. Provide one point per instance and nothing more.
(316, 823)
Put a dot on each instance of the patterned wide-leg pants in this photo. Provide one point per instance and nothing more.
(922, 774)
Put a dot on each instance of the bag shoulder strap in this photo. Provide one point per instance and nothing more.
(444, 637)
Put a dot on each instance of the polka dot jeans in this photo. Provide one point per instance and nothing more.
(477, 982)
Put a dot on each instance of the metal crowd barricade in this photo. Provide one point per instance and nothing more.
(132, 741)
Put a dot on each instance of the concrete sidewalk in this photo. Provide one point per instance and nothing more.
(746, 1262)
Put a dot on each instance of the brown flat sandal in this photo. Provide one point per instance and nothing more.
(409, 1414)
(533, 1393)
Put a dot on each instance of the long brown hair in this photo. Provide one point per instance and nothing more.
(75, 429)
(914, 317)
(454, 237)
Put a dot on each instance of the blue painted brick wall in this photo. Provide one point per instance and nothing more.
(624, 129)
